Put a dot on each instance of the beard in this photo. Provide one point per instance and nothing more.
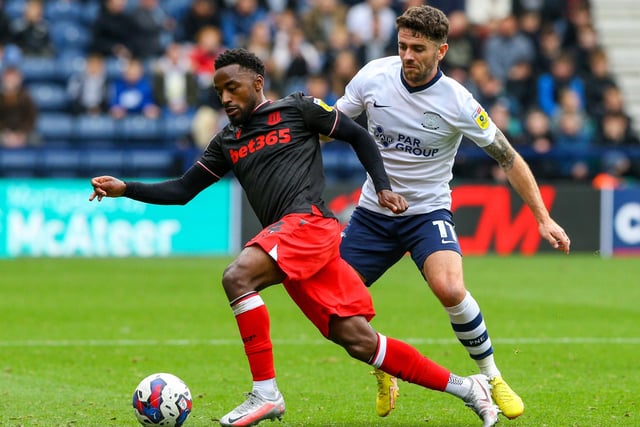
(421, 72)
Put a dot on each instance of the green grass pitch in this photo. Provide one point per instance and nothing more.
(77, 335)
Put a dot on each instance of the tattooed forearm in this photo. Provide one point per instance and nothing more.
(501, 150)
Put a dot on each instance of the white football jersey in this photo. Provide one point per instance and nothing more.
(418, 131)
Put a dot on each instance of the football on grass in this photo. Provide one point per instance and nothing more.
(162, 399)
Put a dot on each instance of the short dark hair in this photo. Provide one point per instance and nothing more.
(427, 21)
(242, 57)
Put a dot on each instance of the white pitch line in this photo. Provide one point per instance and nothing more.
(306, 341)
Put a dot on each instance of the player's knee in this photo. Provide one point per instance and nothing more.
(359, 342)
(235, 282)
(359, 351)
(450, 295)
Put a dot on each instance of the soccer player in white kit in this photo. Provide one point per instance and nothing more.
(418, 116)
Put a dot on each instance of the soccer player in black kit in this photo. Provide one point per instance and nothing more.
(273, 149)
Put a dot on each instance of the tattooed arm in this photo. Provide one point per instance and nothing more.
(522, 180)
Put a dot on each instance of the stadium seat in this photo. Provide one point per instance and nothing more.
(114, 67)
(71, 62)
(61, 163)
(95, 129)
(176, 8)
(55, 128)
(19, 163)
(138, 129)
(341, 163)
(67, 35)
(90, 12)
(176, 127)
(37, 69)
(14, 9)
(159, 163)
(105, 162)
(49, 96)
(63, 10)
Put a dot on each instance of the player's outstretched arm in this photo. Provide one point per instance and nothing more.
(521, 178)
(170, 192)
(107, 186)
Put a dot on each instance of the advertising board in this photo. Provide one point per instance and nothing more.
(54, 218)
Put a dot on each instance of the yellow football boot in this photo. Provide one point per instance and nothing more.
(387, 392)
(507, 400)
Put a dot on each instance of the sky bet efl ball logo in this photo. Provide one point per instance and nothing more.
(481, 117)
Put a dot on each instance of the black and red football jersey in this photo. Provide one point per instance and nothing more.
(276, 156)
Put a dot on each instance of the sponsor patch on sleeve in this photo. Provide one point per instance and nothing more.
(321, 103)
(481, 118)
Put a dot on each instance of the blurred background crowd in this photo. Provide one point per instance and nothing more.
(124, 86)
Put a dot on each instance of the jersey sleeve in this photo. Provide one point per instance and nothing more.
(317, 115)
(213, 159)
(474, 122)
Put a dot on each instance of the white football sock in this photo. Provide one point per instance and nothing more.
(267, 388)
(458, 386)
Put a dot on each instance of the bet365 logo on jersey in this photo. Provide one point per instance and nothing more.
(276, 136)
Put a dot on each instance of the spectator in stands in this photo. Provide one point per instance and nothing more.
(201, 13)
(208, 47)
(485, 88)
(521, 87)
(371, 25)
(530, 24)
(261, 44)
(478, 73)
(321, 20)
(113, 30)
(485, 14)
(588, 42)
(537, 131)
(572, 137)
(175, 88)
(550, 11)
(18, 111)
(550, 48)
(31, 32)
(294, 57)
(536, 135)
(550, 85)
(612, 101)
(338, 42)
(597, 81)
(237, 21)
(446, 6)
(132, 93)
(5, 27)
(506, 47)
(570, 101)
(344, 67)
(205, 124)
(578, 14)
(615, 131)
(464, 47)
(88, 89)
(318, 86)
(153, 29)
(500, 113)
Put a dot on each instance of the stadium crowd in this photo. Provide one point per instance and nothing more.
(99, 77)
